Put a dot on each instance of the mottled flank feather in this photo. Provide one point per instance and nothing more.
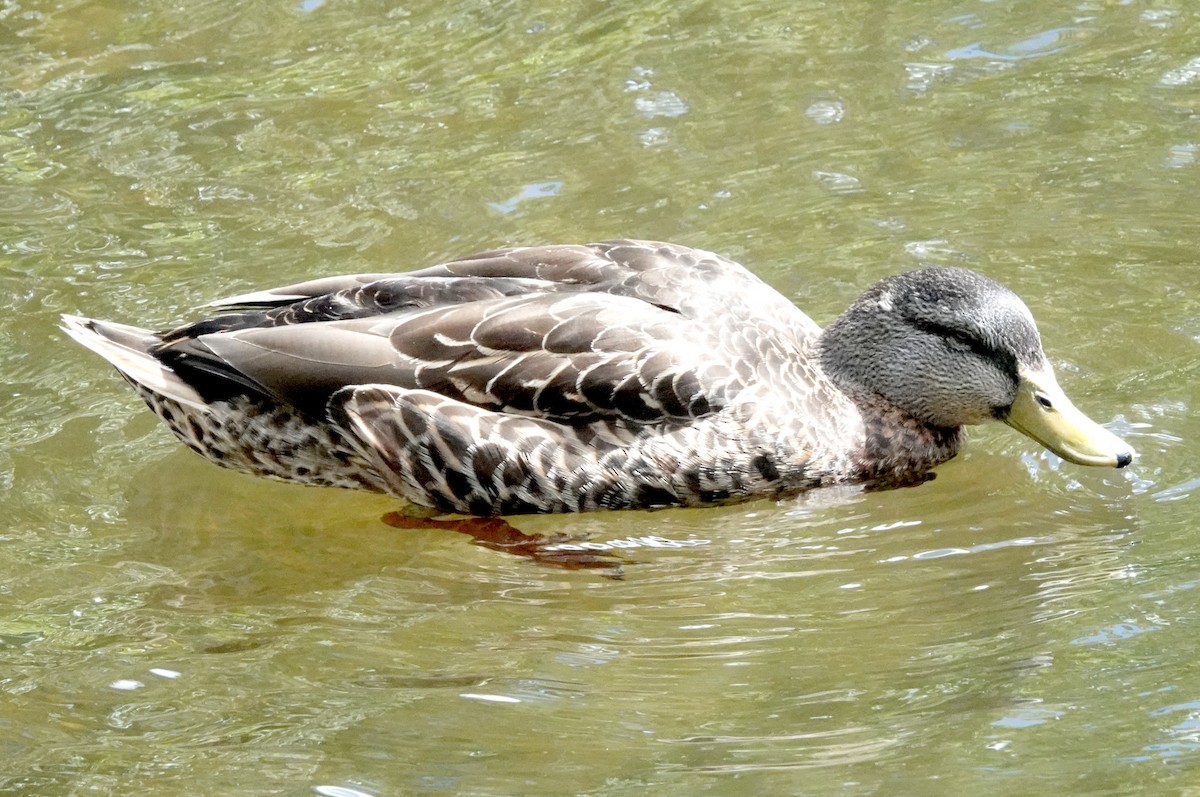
(626, 374)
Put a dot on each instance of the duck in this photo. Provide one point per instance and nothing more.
(623, 374)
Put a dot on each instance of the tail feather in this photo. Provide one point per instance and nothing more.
(127, 348)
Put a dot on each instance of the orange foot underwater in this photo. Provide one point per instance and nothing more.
(500, 535)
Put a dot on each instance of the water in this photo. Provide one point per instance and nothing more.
(1016, 626)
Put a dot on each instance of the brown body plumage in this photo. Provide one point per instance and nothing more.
(625, 374)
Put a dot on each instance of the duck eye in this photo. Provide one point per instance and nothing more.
(1043, 400)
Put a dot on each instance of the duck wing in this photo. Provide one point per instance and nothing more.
(637, 331)
(693, 282)
(572, 357)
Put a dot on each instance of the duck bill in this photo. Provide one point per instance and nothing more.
(1042, 411)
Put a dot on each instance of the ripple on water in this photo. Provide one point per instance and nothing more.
(1038, 45)
(661, 103)
(1186, 75)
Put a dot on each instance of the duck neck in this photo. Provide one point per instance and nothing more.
(858, 353)
(898, 449)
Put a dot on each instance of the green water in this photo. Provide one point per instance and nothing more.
(1018, 626)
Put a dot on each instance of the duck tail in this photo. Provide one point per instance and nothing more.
(129, 350)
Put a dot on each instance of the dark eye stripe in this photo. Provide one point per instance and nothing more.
(1006, 361)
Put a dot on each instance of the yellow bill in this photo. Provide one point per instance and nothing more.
(1042, 411)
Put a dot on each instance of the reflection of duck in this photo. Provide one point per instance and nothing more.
(615, 375)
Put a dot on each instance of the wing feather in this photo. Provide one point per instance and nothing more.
(638, 331)
(612, 357)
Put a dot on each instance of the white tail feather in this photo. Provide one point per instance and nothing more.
(126, 348)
